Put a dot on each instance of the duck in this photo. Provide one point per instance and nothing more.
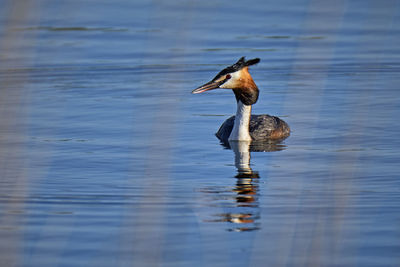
(244, 126)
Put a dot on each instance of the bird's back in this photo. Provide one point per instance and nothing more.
(262, 128)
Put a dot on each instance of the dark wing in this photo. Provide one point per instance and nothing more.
(266, 127)
(262, 127)
(225, 129)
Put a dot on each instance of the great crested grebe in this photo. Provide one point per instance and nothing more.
(244, 126)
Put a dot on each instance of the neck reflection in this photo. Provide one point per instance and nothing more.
(240, 202)
(246, 189)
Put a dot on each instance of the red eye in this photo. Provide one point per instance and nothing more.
(228, 76)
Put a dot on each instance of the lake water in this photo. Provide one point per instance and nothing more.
(108, 160)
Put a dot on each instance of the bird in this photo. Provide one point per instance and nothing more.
(244, 126)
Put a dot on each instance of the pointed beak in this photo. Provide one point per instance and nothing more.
(206, 87)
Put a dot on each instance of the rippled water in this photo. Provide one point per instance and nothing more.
(108, 160)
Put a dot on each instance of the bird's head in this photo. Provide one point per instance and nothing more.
(237, 78)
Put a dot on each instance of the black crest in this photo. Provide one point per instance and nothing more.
(240, 64)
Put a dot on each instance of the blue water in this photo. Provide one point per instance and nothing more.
(106, 159)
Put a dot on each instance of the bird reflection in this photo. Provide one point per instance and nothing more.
(243, 212)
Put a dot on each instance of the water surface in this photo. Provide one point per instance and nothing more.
(108, 160)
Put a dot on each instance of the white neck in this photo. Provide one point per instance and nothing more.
(240, 131)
